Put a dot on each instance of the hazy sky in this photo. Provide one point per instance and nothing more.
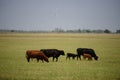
(65, 14)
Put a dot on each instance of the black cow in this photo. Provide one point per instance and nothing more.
(81, 51)
(71, 55)
(55, 53)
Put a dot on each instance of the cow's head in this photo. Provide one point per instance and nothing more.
(61, 52)
(46, 59)
(96, 57)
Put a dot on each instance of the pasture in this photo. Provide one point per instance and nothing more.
(14, 66)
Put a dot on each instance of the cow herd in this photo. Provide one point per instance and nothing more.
(44, 54)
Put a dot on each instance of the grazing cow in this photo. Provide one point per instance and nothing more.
(81, 51)
(85, 55)
(36, 54)
(71, 55)
(55, 53)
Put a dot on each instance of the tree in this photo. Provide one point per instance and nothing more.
(107, 31)
(79, 31)
(58, 30)
(12, 31)
(118, 31)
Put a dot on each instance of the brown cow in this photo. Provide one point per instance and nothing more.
(85, 55)
(36, 54)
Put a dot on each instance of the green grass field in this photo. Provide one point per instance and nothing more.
(14, 66)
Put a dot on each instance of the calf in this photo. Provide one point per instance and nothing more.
(81, 51)
(71, 55)
(85, 55)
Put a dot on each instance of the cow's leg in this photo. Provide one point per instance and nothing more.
(53, 59)
(28, 59)
(79, 57)
(37, 59)
(76, 57)
(73, 57)
(69, 57)
(56, 59)
(42, 60)
(66, 57)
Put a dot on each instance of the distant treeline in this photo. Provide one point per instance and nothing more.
(58, 30)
